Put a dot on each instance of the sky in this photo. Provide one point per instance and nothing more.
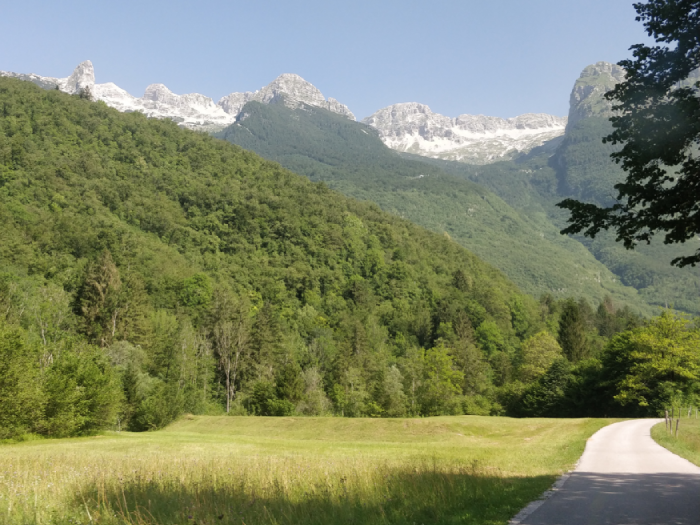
(493, 57)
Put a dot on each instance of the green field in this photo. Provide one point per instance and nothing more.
(256, 470)
(687, 444)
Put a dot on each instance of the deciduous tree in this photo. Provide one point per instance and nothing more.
(652, 364)
(539, 352)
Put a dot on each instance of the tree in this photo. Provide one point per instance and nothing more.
(82, 391)
(165, 356)
(21, 397)
(572, 332)
(392, 396)
(547, 396)
(99, 300)
(85, 93)
(230, 334)
(539, 352)
(650, 366)
(440, 387)
(657, 122)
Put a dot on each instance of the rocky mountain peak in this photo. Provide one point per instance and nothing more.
(82, 77)
(587, 98)
(158, 93)
(292, 89)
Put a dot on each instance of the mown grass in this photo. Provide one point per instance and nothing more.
(245, 470)
(686, 445)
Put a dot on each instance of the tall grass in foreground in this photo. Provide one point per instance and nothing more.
(263, 490)
(686, 445)
(185, 478)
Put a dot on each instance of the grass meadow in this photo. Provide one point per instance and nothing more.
(687, 444)
(255, 470)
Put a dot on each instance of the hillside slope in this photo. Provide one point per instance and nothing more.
(351, 158)
(159, 244)
(580, 167)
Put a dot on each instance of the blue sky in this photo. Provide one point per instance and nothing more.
(493, 57)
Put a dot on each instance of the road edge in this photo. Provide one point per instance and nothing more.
(551, 491)
(534, 505)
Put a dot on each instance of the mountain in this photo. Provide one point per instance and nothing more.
(574, 164)
(407, 127)
(351, 157)
(580, 167)
(586, 99)
(292, 89)
(193, 111)
(475, 139)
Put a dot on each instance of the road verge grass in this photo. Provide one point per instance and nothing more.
(686, 445)
(255, 471)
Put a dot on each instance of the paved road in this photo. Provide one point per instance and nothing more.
(625, 478)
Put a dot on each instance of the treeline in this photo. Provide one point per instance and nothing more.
(147, 271)
(637, 373)
(66, 368)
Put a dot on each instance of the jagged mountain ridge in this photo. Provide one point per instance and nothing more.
(408, 127)
(477, 139)
(293, 89)
(192, 110)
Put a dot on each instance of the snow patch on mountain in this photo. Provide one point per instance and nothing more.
(193, 110)
(476, 139)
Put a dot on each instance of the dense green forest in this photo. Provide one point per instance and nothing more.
(147, 271)
(349, 157)
(580, 167)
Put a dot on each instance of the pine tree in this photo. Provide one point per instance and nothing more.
(572, 332)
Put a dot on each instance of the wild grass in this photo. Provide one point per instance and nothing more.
(687, 444)
(245, 470)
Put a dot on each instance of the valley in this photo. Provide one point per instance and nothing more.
(463, 291)
(307, 268)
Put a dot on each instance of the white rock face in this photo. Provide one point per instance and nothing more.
(83, 77)
(193, 110)
(291, 88)
(476, 139)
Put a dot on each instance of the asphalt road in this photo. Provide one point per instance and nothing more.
(625, 478)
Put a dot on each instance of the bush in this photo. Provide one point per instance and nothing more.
(263, 401)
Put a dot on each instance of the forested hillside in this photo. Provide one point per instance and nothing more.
(349, 157)
(580, 167)
(147, 271)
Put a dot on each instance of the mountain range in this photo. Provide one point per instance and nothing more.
(517, 169)
(476, 139)
(410, 127)
(193, 110)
